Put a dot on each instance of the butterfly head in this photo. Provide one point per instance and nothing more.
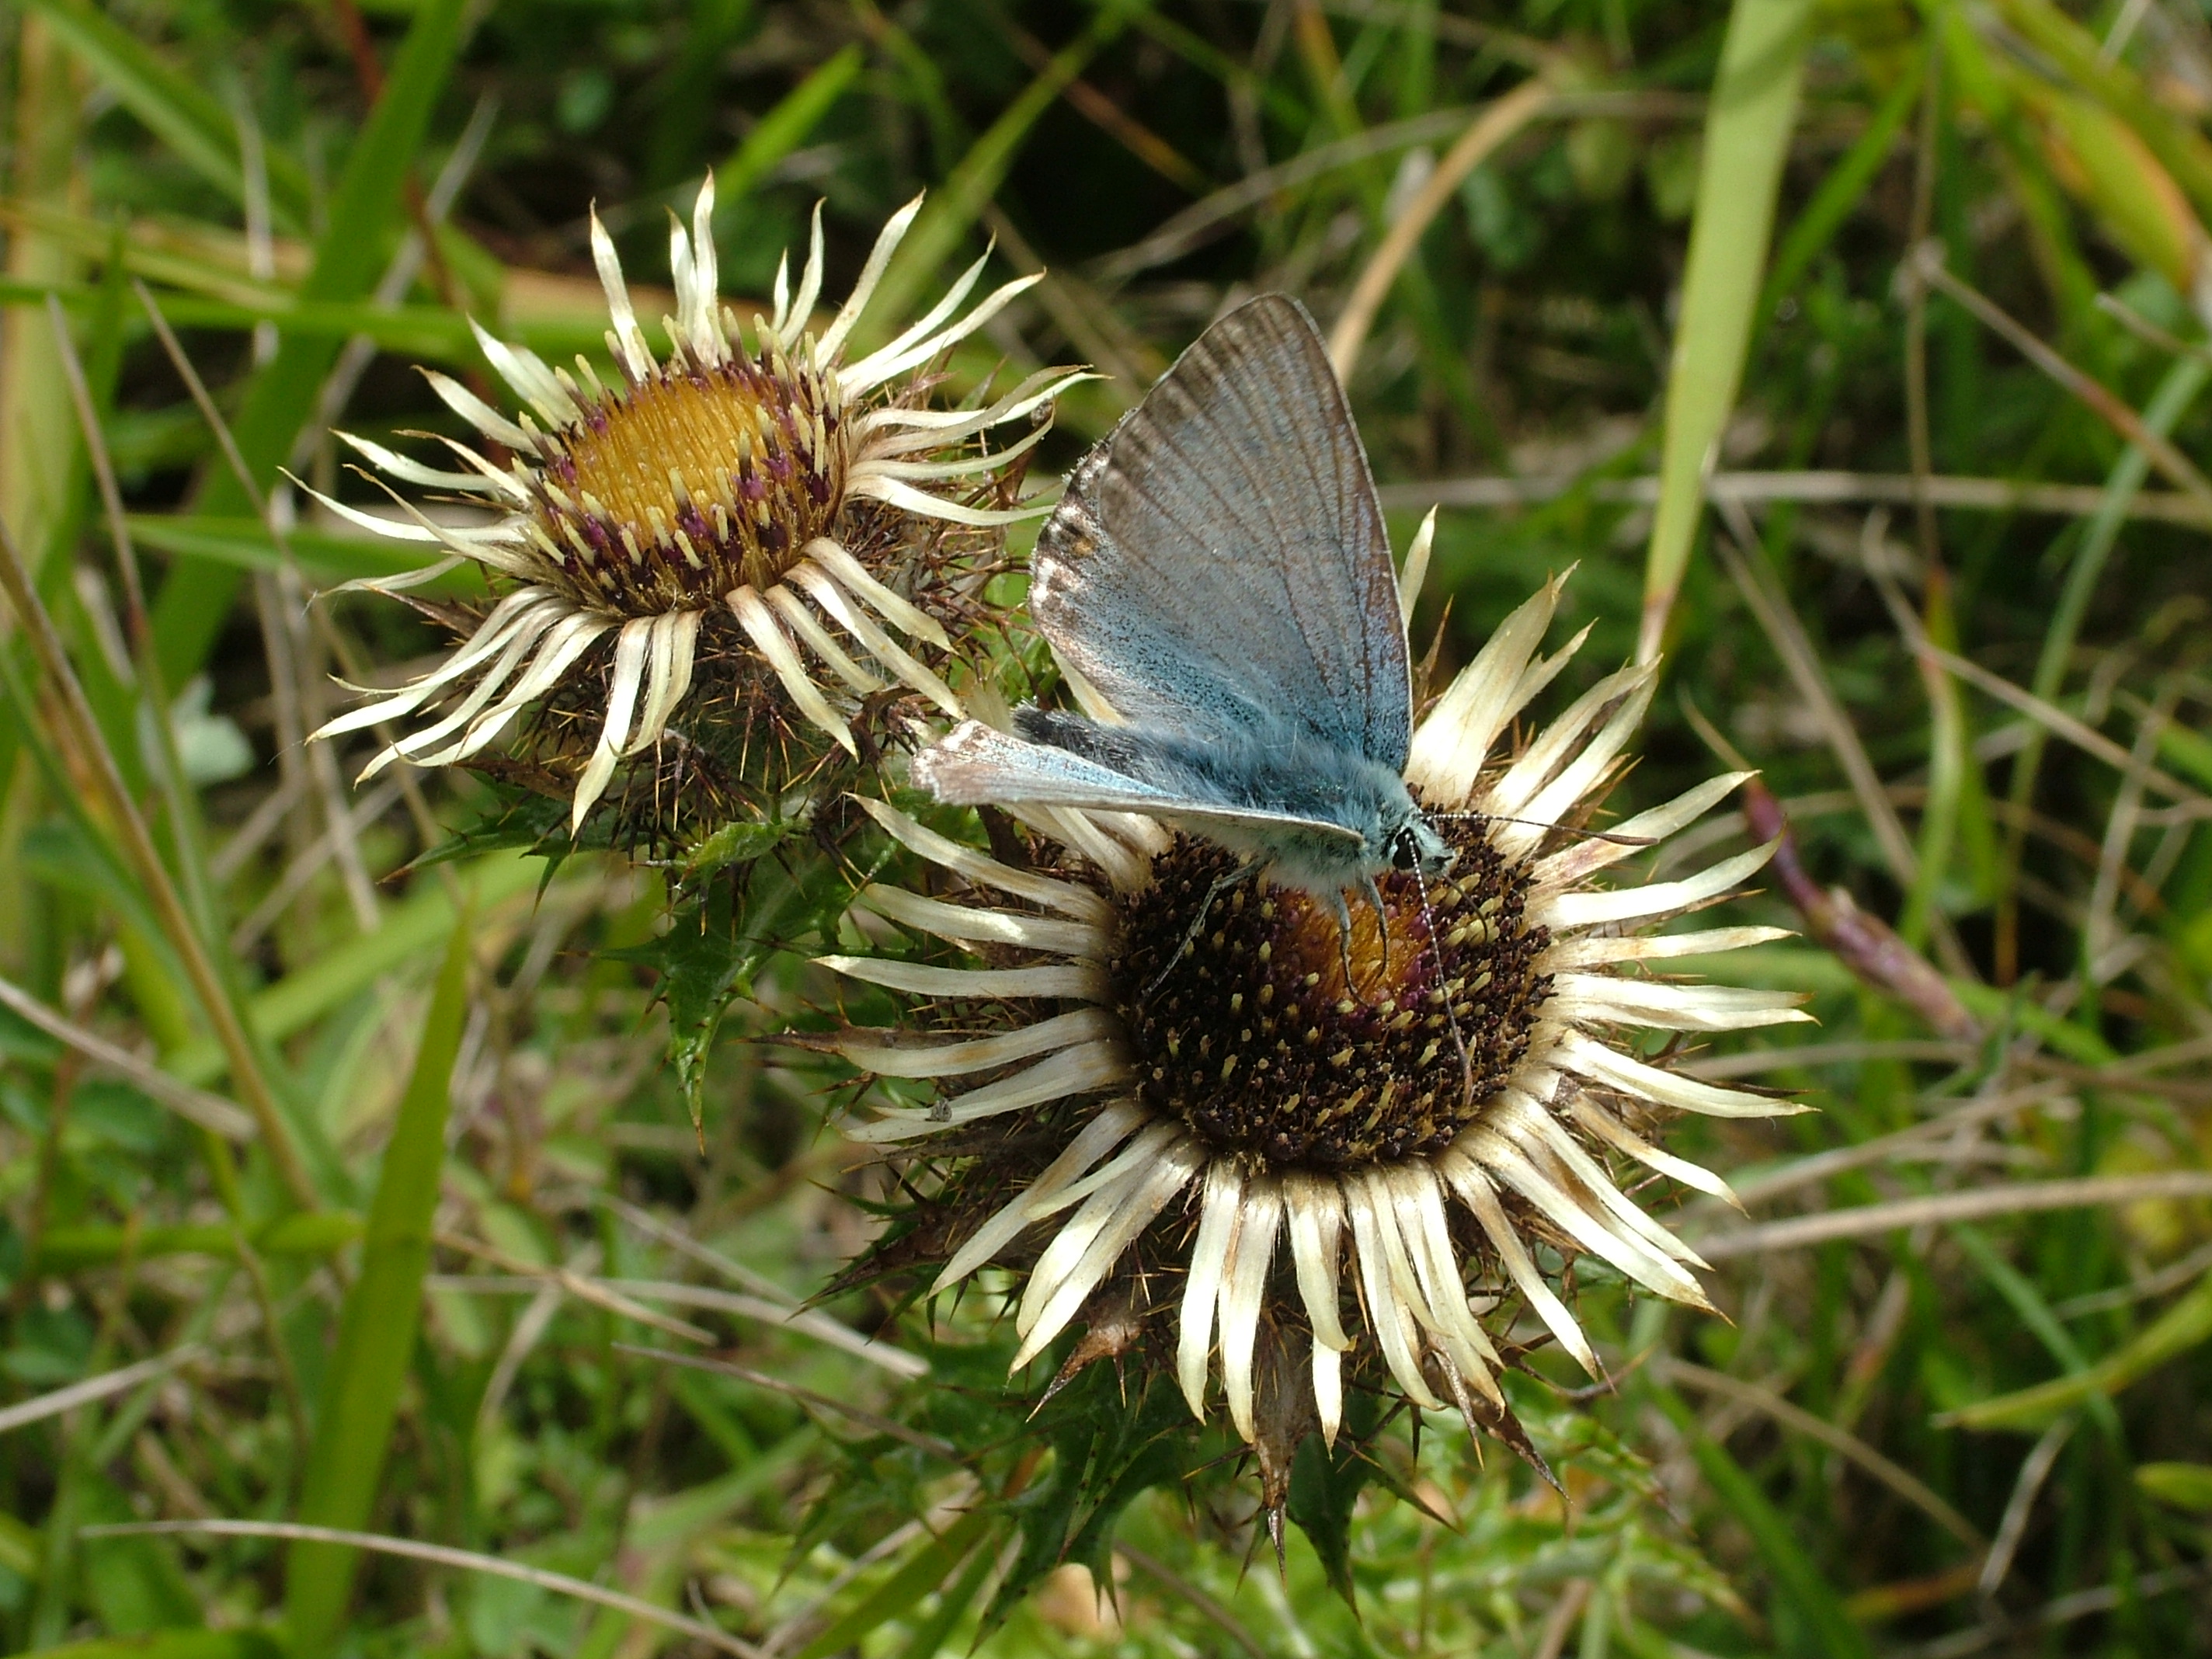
(1417, 847)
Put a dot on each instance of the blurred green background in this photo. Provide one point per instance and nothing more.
(1854, 353)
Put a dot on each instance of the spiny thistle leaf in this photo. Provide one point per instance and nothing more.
(1325, 1486)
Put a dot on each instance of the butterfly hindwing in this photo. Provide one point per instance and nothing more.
(976, 765)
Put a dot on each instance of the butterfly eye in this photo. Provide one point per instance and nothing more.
(1404, 851)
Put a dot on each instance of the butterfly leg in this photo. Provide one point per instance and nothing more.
(1343, 913)
(1221, 884)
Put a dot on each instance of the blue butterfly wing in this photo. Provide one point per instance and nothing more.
(976, 765)
(1220, 558)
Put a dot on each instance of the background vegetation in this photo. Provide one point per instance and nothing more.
(1949, 593)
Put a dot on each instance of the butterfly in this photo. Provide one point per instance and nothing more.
(1218, 569)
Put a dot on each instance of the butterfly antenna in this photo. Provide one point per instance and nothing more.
(1444, 975)
(1220, 884)
(1563, 828)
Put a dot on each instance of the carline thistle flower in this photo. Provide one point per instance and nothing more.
(1310, 1159)
(720, 482)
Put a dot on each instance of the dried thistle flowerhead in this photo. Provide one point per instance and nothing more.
(1303, 1163)
(782, 501)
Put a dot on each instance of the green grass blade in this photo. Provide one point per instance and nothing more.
(927, 1568)
(190, 120)
(2180, 147)
(1950, 738)
(175, 1645)
(952, 1605)
(348, 259)
(2023, 1296)
(71, 1249)
(425, 332)
(43, 476)
(2185, 1485)
(2186, 752)
(2185, 1325)
(1797, 1580)
(787, 126)
(1755, 108)
(2175, 393)
(1840, 193)
(409, 929)
(376, 1330)
(955, 205)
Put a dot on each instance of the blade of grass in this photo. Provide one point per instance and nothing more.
(1839, 194)
(410, 927)
(1235, 76)
(87, 862)
(956, 205)
(414, 330)
(1899, 1480)
(927, 1568)
(95, 1388)
(438, 1555)
(232, 1037)
(41, 473)
(1143, 142)
(1207, 1606)
(1975, 1204)
(952, 1605)
(1798, 1580)
(1948, 743)
(2097, 398)
(190, 120)
(1755, 109)
(2025, 1299)
(2185, 1325)
(193, 882)
(2183, 383)
(866, 1418)
(69, 1250)
(2180, 147)
(925, 80)
(2056, 720)
(1202, 221)
(787, 125)
(1497, 125)
(186, 842)
(210, 1112)
(1784, 631)
(349, 258)
(246, 544)
(377, 1328)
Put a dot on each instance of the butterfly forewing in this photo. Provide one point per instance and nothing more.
(1222, 558)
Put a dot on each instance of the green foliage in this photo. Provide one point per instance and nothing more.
(377, 1326)
(1325, 1482)
(578, 1134)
